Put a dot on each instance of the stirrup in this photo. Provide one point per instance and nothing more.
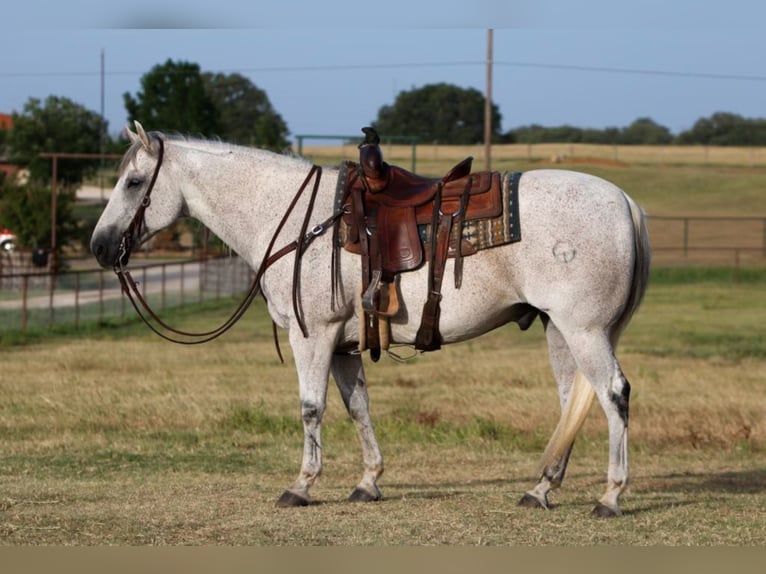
(389, 300)
(387, 297)
(368, 299)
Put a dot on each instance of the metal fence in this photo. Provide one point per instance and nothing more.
(730, 241)
(42, 299)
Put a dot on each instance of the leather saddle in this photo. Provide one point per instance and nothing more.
(397, 220)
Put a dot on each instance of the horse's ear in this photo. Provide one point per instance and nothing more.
(131, 135)
(143, 136)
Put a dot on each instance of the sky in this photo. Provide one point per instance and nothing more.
(328, 66)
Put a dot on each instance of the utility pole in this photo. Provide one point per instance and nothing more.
(102, 134)
(488, 107)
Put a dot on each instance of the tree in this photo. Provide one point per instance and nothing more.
(58, 125)
(26, 209)
(724, 128)
(645, 131)
(442, 113)
(173, 98)
(245, 113)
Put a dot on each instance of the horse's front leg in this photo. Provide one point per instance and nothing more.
(312, 360)
(348, 372)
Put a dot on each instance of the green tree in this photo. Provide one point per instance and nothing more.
(245, 113)
(173, 98)
(442, 113)
(724, 128)
(57, 125)
(26, 209)
(645, 131)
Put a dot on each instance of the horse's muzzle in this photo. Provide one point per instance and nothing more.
(107, 249)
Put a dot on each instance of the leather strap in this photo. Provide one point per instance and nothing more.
(428, 337)
(459, 221)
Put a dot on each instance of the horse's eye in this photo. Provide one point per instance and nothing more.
(134, 182)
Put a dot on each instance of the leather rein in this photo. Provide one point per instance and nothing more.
(133, 233)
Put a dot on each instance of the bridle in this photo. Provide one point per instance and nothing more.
(305, 237)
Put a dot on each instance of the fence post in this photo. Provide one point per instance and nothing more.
(164, 275)
(101, 295)
(52, 285)
(77, 300)
(686, 236)
(25, 290)
(763, 221)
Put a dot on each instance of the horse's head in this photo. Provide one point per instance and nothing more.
(142, 203)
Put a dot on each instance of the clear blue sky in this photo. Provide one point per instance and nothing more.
(329, 65)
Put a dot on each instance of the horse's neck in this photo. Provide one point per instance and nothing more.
(241, 197)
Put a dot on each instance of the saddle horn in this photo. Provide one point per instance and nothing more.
(371, 159)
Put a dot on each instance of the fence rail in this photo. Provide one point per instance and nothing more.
(47, 299)
(730, 241)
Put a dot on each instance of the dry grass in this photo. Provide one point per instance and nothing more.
(135, 441)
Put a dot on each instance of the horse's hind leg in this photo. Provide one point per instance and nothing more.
(564, 370)
(595, 358)
(348, 372)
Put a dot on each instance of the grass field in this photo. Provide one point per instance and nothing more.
(116, 437)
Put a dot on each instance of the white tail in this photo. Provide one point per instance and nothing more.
(575, 412)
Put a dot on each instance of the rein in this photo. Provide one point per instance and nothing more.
(131, 290)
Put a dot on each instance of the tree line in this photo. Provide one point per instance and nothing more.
(447, 114)
(720, 129)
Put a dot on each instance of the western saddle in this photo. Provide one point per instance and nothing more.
(397, 220)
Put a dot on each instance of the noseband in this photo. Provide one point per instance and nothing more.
(133, 233)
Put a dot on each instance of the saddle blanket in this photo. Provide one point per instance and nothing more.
(479, 233)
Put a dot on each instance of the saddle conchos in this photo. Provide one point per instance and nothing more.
(399, 221)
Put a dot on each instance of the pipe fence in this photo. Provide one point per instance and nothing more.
(44, 299)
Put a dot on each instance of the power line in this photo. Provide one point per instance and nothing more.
(638, 71)
(402, 65)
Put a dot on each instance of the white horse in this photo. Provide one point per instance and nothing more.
(582, 267)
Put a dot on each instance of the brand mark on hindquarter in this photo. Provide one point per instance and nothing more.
(564, 252)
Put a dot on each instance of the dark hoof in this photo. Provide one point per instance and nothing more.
(603, 511)
(291, 500)
(529, 501)
(361, 495)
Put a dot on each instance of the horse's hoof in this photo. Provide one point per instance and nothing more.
(361, 495)
(292, 500)
(603, 511)
(529, 501)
